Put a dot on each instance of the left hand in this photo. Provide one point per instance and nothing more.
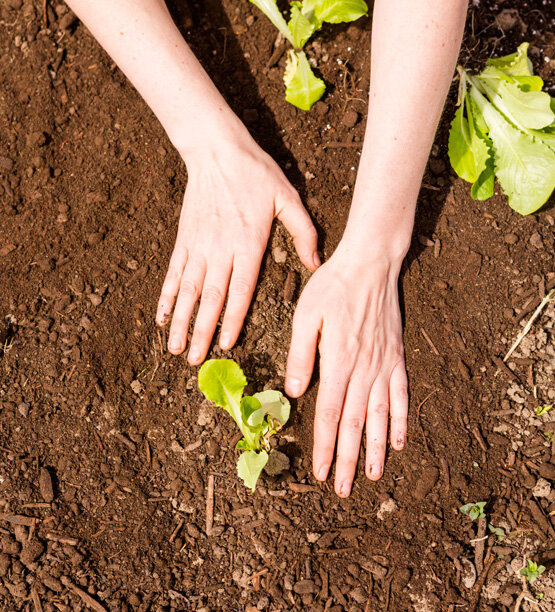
(351, 306)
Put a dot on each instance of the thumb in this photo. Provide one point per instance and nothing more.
(297, 222)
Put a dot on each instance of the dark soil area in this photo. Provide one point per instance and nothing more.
(108, 452)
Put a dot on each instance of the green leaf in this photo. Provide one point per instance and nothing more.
(275, 405)
(526, 109)
(271, 10)
(524, 165)
(474, 510)
(251, 412)
(303, 89)
(468, 151)
(547, 136)
(300, 26)
(249, 466)
(498, 532)
(335, 11)
(222, 381)
(484, 187)
(516, 63)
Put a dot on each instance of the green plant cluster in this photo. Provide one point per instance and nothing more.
(302, 87)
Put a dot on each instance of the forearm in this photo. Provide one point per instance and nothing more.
(414, 52)
(142, 39)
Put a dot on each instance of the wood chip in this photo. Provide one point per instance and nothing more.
(62, 539)
(45, 485)
(36, 600)
(298, 487)
(210, 505)
(18, 519)
(85, 597)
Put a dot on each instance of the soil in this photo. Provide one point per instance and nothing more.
(108, 454)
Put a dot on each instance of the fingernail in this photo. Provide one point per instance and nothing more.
(294, 386)
(401, 441)
(322, 474)
(225, 340)
(344, 489)
(376, 470)
(194, 354)
(174, 344)
(316, 259)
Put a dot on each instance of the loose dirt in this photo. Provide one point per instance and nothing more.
(106, 446)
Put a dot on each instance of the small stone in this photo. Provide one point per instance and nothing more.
(321, 108)
(536, 240)
(193, 531)
(136, 387)
(31, 551)
(542, 488)
(278, 462)
(511, 238)
(386, 507)
(279, 255)
(23, 409)
(206, 414)
(350, 119)
(95, 238)
(45, 485)
(133, 264)
(304, 587)
(67, 21)
(250, 20)
(95, 299)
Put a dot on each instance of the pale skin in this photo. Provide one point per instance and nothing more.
(235, 189)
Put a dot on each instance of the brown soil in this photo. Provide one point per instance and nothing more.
(106, 447)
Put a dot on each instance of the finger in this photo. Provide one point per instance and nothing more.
(376, 428)
(211, 304)
(307, 323)
(189, 292)
(297, 221)
(331, 394)
(241, 289)
(170, 288)
(351, 427)
(399, 405)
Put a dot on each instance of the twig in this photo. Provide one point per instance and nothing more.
(36, 600)
(477, 588)
(543, 304)
(479, 548)
(429, 341)
(85, 597)
(418, 417)
(210, 505)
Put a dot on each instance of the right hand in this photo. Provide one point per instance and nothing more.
(233, 194)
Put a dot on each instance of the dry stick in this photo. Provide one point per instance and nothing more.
(479, 545)
(85, 597)
(210, 505)
(477, 588)
(543, 304)
(429, 341)
(418, 417)
(36, 600)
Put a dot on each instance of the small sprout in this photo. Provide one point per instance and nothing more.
(543, 409)
(258, 417)
(548, 436)
(474, 510)
(476, 465)
(539, 596)
(498, 532)
(532, 570)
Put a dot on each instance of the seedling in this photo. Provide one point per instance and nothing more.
(474, 510)
(532, 570)
(543, 409)
(504, 128)
(258, 417)
(498, 532)
(302, 87)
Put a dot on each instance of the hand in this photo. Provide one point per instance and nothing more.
(231, 199)
(352, 303)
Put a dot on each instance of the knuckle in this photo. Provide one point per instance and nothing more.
(353, 423)
(239, 286)
(189, 288)
(212, 295)
(380, 410)
(330, 416)
(402, 393)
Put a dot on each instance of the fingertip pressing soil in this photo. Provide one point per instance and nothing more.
(106, 444)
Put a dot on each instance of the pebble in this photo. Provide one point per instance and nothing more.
(95, 299)
(536, 240)
(23, 409)
(304, 587)
(206, 414)
(350, 118)
(279, 255)
(45, 485)
(542, 488)
(278, 462)
(511, 238)
(426, 482)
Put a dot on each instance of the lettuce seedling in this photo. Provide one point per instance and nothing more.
(504, 128)
(302, 87)
(474, 510)
(258, 417)
(532, 570)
